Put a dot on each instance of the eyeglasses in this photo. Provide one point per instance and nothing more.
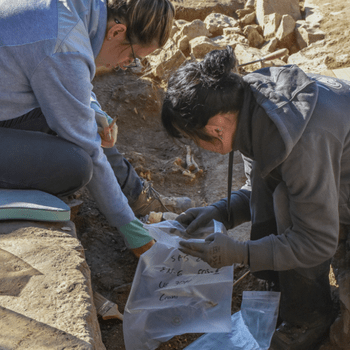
(133, 64)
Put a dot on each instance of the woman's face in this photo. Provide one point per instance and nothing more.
(222, 127)
(117, 52)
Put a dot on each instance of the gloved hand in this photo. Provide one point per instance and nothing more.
(139, 251)
(217, 250)
(195, 218)
(136, 237)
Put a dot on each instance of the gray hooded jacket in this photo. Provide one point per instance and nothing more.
(295, 128)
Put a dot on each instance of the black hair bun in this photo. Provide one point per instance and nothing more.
(218, 63)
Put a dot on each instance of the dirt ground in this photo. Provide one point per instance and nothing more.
(141, 138)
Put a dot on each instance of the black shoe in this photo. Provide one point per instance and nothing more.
(288, 337)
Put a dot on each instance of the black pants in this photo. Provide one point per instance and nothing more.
(34, 157)
(305, 293)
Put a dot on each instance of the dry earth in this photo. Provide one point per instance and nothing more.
(137, 102)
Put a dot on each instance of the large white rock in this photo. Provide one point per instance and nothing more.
(45, 289)
(271, 25)
(216, 22)
(285, 33)
(164, 61)
(307, 34)
(202, 45)
(282, 7)
(190, 31)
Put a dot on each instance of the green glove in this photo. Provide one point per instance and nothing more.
(218, 250)
(135, 235)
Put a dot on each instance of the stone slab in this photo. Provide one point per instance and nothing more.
(45, 289)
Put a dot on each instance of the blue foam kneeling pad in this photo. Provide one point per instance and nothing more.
(32, 205)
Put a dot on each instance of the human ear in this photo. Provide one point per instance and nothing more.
(117, 28)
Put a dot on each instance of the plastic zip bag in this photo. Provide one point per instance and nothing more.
(252, 328)
(173, 293)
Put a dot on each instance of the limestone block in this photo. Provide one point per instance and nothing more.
(174, 29)
(282, 7)
(216, 22)
(164, 61)
(286, 33)
(45, 289)
(270, 46)
(231, 40)
(202, 45)
(253, 36)
(307, 34)
(183, 43)
(271, 24)
(190, 31)
(235, 30)
(248, 19)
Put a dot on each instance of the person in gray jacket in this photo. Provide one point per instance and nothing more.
(293, 131)
(49, 116)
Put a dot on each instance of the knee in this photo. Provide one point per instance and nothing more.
(81, 167)
(78, 170)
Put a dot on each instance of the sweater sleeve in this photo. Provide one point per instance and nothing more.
(311, 174)
(240, 201)
(62, 86)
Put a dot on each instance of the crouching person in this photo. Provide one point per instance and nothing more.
(293, 130)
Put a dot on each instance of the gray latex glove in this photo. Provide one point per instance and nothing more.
(218, 250)
(196, 218)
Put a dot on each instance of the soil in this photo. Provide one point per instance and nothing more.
(136, 102)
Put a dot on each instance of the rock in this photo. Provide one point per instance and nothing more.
(164, 61)
(216, 22)
(271, 25)
(45, 289)
(270, 46)
(246, 11)
(285, 33)
(174, 29)
(253, 36)
(194, 9)
(202, 45)
(190, 31)
(231, 40)
(229, 31)
(248, 19)
(307, 34)
(282, 7)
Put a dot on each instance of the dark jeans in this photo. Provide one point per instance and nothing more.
(34, 157)
(305, 292)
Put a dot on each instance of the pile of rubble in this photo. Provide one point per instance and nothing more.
(260, 28)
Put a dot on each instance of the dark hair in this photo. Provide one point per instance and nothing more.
(146, 20)
(198, 91)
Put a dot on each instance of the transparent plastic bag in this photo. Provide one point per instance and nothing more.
(251, 328)
(173, 293)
